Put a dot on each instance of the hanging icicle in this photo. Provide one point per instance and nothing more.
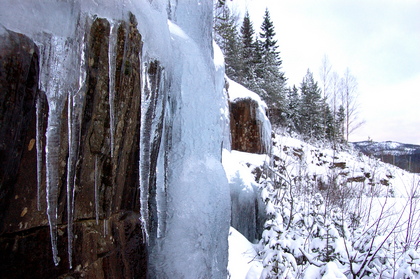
(52, 151)
(144, 159)
(70, 179)
(112, 69)
(97, 189)
(39, 146)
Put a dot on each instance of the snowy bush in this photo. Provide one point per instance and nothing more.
(347, 229)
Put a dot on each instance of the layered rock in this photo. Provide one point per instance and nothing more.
(250, 127)
(245, 129)
(105, 236)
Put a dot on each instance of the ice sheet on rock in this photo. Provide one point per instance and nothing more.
(219, 64)
(198, 197)
(195, 18)
(152, 121)
(31, 17)
(193, 206)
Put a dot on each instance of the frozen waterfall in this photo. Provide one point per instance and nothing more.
(183, 192)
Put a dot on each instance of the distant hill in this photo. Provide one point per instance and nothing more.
(405, 156)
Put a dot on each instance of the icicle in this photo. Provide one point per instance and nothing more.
(106, 224)
(162, 176)
(112, 68)
(96, 190)
(70, 180)
(152, 196)
(39, 147)
(52, 158)
(53, 61)
(144, 158)
(75, 105)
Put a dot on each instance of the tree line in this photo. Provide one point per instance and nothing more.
(316, 112)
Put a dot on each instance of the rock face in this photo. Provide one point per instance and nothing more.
(248, 134)
(100, 158)
(245, 127)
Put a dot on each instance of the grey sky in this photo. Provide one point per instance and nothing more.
(379, 41)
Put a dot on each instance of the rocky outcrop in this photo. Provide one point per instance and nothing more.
(249, 133)
(101, 153)
(246, 130)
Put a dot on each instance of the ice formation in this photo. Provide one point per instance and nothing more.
(184, 197)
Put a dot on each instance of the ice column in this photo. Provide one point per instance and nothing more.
(112, 68)
(74, 114)
(198, 208)
(152, 114)
(52, 161)
(39, 146)
(57, 80)
(97, 189)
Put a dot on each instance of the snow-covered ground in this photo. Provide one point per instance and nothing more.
(311, 194)
(385, 200)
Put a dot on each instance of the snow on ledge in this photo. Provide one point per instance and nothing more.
(237, 91)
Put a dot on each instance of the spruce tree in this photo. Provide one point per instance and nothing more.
(292, 110)
(271, 80)
(227, 37)
(330, 127)
(311, 109)
(248, 52)
(339, 124)
(269, 44)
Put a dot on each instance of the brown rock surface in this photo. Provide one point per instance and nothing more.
(112, 247)
(245, 127)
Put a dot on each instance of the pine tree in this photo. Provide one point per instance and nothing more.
(292, 110)
(330, 129)
(248, 51)
(227, 37)
(271, 80)
(269, 45)
(339, 124)
(310, 109)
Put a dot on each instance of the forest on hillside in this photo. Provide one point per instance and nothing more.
(320, 111)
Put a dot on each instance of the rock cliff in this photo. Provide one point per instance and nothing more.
(105, 239)
(108, 169)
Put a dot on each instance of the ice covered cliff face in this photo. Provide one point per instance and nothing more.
(184, 197)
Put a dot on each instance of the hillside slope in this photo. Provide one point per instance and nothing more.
(405, 156)
(323, 213)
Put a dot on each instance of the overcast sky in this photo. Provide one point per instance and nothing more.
(378, 40)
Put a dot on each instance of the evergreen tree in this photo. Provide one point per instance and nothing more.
(330, 127)
(339, 124)
(269, 44)
(292, 110)
(227, 37)
(310, 109)
(271, 80)
(248, 52)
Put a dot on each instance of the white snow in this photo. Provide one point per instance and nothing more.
(307, 161)
(243, 259)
